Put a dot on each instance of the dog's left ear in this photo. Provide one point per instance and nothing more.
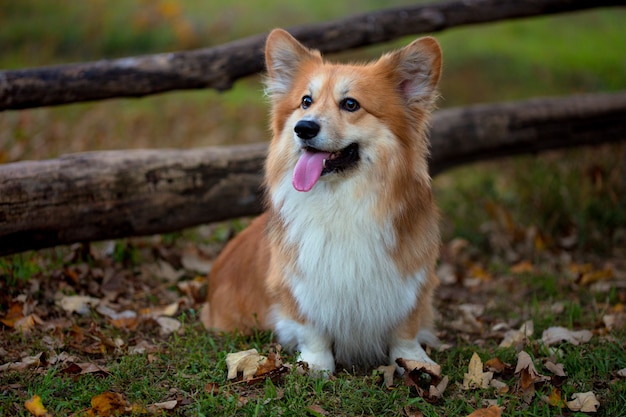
(284, 55)
(417, 68)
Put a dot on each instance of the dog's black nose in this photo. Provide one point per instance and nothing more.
(306, 129)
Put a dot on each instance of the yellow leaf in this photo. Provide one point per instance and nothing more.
(605, 274)
(108, 404)
(475, 377)
(35, 407)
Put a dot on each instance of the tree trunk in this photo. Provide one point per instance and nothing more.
(113, 194)
(221, 66)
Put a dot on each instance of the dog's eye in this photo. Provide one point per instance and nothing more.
(307, 101)
(350, 104)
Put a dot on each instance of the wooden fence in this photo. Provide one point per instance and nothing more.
(105, 195)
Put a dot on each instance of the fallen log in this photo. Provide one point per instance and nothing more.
(221, 66)
(113, 194)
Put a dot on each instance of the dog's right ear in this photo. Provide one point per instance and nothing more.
(283, 57)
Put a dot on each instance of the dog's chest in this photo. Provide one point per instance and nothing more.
(346, 280)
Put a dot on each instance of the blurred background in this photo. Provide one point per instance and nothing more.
(519, 207)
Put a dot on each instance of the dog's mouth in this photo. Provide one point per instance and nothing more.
(313, 163)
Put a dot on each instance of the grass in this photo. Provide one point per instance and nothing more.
(553, 211)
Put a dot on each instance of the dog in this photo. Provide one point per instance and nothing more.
(341, 266)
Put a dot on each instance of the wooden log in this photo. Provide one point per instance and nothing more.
(221, 66)
(113, 194)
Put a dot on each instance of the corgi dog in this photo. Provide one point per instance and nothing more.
(341, 266)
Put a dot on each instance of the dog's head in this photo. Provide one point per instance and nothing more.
(331, 120)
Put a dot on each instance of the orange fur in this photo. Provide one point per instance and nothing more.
(363, 234)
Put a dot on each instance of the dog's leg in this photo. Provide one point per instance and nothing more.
(314, 346)
(407, 349)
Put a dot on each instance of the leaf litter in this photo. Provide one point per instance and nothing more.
(78, 303)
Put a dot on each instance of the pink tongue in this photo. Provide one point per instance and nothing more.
(308, 170)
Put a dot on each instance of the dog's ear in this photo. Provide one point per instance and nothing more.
(283, 57)
(417, 68)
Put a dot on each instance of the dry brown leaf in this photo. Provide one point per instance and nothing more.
(15, 313)
(491, 411)
(467, 321)
(436, 392)
(80, 304)
(528, 376)
(388, 372)
(108, 404)
(316, 410)
(605, 274)
(193, 261)
(500, 386)
(85, 368)
(35, 406)
(26, 362)
(556, 368)
(584, 401)
(412, 411)
(557, 334)
(496, 365)
(555, 398)
(168, 325)
(522, 267)
(247, 362)
(424, 377)
(165, 405)
(475, 377)
(518, 337)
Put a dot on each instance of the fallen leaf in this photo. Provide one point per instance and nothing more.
(247, 362)
(165, 405)
(496, 365)
(388, 372)
(26, 362)
(212, 388)
(491, 411)
(554, 399)
(424, 377)
(622, 373)
(556, 368)
(500, 386)
(584, 401)
(74, 368)
(518, 337)
(475, 377)
(523, 267)
(168, 325)
(108, 404)
(192, 261)
(316, 410)
(527, 376)
(80, 304)
(436, 392)
(467, 321)
(587, 278)
(557, 334)
(35, 407)
(412, 411)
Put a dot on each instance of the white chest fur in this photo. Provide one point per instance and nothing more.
(346, 283)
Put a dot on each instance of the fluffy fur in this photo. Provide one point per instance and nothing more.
(343, 270)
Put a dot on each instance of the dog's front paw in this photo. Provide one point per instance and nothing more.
(321, 363)
(408, 350)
